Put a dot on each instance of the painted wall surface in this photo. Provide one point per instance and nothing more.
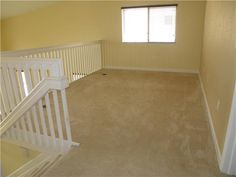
(184, 54)
(68, 22)
(13, 156)
(62, 23)
(218, 65)
(1, 36)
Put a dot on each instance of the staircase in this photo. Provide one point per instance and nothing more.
(34, 112)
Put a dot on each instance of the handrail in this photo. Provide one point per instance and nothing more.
(54, 64)
(79, 59)
(34, 96)
(17, 53)
(20, 75)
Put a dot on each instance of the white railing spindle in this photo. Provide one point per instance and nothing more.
(42, 126)
(79, 60)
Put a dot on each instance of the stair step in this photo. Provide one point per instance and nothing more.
(47, 167)
(39, 171)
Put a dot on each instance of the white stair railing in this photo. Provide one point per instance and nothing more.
(44, 124)
(19, 76)
(78, 59)
(37, 133)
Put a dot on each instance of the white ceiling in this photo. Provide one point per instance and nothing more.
(11, 8)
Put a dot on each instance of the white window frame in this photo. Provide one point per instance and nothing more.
(148, 25)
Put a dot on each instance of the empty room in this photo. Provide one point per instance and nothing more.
(118, 88)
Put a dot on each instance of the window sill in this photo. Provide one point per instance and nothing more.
(149, 42)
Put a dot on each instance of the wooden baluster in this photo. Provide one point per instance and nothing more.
(12, 104)
(24, 130)
(23, 90)
(68, 65)
(3, 112)
(9, 88)
(23, 94)
(83, 62)
(15, 129)
(63, 54)
(43, 55)
(87, 59)
(49, 113)
(73, 64)
(41, 113)
(56, 106)
(77, 63)
(79, 68)
(22, 122)
(100, 56)
(58, 116)
(66, 115)
(95, 57)
(89, 53)
(4, 93)
(93, 60)
(33, 110)
(14, 82)
(43, 123)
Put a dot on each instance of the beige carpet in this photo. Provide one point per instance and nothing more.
(138, 124)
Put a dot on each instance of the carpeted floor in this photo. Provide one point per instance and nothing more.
(138, 124)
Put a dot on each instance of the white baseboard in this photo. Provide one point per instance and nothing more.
(153, 69)
(217, 148)
(228, 159)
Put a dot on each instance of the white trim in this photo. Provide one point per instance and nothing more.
(75, 144)
(228, 163)
(17, 53)
(153, 69)
(35, 164)
(38, 92)
(213, 133)
(42, 148)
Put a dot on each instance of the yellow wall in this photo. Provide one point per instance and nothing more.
(68, 22)
(218, 65)
(62, 23)
(1, 48)
(13, 157)
(185, 54)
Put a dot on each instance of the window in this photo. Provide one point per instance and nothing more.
(149, 24)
